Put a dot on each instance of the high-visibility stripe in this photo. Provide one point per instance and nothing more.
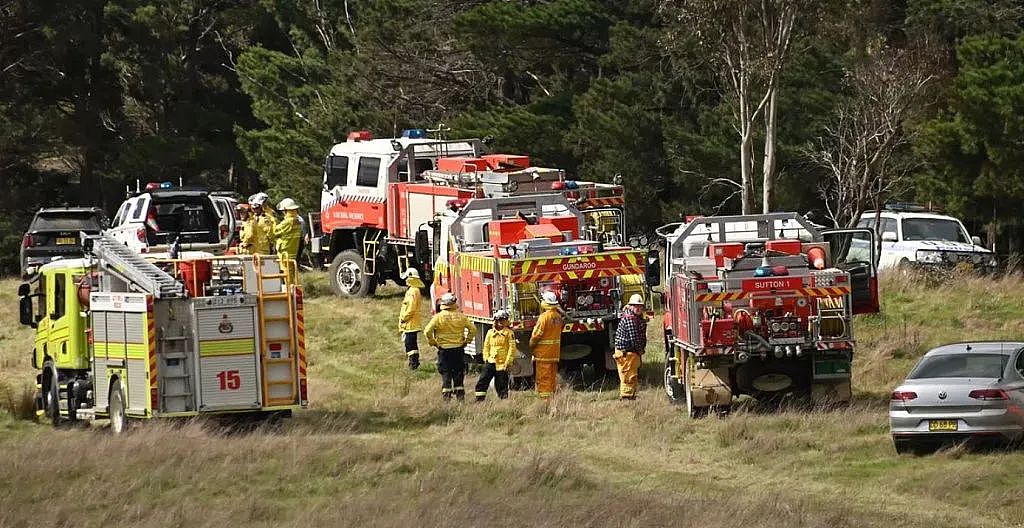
(549, 341)
(227, 347)
(836, 291)
(154, 394)
(545, 360)
(718, 297)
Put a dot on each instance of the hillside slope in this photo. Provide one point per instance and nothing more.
(378, 448)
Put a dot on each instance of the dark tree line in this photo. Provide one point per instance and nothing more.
(698, 105)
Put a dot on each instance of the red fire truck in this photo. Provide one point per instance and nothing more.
(380, 194)
(763, 305)
(504, 253)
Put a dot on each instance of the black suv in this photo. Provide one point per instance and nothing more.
(55, 232)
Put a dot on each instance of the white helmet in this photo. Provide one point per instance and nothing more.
(549, 297)
(287, 205)
(636, 299)
(501, 314)
(259, 198)
(411, 273)
(448, 299)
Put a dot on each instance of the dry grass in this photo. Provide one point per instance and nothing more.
(379, 448)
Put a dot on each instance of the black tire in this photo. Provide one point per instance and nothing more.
(117, 409)
(348, 275)
(51, 394)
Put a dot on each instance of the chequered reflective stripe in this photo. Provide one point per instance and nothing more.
(582, 326)
(476, 263)
(621, 264)
(834, 345)
(300, 334)
(154, 394)
(365, 198)
(836, 291)
(721, 296)
(601, 202)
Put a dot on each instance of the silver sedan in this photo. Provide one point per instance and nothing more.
(960, 392)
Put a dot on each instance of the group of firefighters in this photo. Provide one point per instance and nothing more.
(261, 233)
(450, 332)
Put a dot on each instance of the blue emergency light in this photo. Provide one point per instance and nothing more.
(763, 271)
(571, 184)
(166, 185)
(414, 133)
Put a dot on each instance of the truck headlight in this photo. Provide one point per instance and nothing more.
(929, 257)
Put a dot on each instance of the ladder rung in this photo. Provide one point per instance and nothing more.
(277, 361)
(275, 296)
(289, 382)
(176, 376)
(177, 395)
(277, 318)
(173, 338)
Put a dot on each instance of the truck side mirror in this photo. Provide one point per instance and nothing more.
(422, 248)
(27, 318)
(653, 269)
(889, 236)
(24, 289)
(976, 240)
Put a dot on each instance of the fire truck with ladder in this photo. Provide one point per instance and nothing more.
(763, 305)
(126, 338)
(380, 194)
(504, 253)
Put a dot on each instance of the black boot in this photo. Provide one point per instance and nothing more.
(414, 361)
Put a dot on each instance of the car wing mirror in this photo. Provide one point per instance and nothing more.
(976, 240)
(889, 236)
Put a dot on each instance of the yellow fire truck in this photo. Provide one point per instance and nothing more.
(124, 338)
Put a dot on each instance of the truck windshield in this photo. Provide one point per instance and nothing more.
(933, 229)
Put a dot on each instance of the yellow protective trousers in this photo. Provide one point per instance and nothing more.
(545, 377)
(628, 364)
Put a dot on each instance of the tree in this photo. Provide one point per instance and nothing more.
(748, 43)
(862, 150)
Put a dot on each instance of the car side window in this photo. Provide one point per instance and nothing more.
(889, 225)
(119, 217)
(59, 294)
(1019, 365)
(140, 205)
(336, 171)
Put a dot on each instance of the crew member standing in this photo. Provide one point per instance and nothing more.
(546, 345)
(410, 320)
(266, 219)
(499, 353)
(630, 344)
(250, 233)
(287, 234)
(450, 331)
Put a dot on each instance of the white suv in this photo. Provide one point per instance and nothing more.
(913, 237)
(151, 221)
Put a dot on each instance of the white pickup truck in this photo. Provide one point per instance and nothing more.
(913, 237)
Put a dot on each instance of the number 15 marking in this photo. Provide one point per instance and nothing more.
(229, 379)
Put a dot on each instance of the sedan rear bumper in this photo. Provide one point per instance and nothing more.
(988, 422)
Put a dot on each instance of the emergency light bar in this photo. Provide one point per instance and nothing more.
(414, 133)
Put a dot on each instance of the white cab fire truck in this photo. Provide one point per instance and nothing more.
(379, 195)
(761, 305)
(504, 253)
(124, 338)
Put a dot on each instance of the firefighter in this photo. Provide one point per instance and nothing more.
(250, 233)
(266, 219)
(410, 320)
(546, 344)
(287, 235)
(630, 344)
(499, 353)
(450, 331)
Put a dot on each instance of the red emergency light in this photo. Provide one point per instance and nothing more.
(360, 135)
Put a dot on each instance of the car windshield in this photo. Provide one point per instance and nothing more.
(66, 221)
(966, 365)
(933, 229)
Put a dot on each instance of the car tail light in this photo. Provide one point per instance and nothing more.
(27, 241)
(903, 395)
(989, 394)
(141, 234)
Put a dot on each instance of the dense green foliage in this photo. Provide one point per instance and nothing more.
(250, 94)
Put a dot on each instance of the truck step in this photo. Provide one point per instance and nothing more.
(177, 395)
(177, 376)
(277, 361)
(174, 355)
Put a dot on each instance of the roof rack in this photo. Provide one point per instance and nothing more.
(909, 207)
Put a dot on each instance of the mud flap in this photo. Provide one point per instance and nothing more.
(831, 392)
(710, 387)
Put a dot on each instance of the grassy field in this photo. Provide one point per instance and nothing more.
(378, 448)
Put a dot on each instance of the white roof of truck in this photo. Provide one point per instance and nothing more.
(383, 147)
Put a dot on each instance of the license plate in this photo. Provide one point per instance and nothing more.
(942, 425)
(67, 241)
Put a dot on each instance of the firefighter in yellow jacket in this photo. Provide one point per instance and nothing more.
(499, 353)
(546, 345)
(266, 219)
(410, 320)
(250, 233)
(450, 331)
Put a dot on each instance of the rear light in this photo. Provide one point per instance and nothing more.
(141, 235)
(275, 347)
(27, 241)
(989, 394)
(841, 278)
(903, 395)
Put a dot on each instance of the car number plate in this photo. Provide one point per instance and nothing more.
(66, 241)
(942, 425)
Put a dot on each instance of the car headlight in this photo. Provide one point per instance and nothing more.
(929, 257)
(585, 300)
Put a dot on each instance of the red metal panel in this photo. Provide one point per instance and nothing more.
(545, 231)
(789, 247)
(505, 232)
(460, 164)
(722, 251)
(496, 160)
(563, 223)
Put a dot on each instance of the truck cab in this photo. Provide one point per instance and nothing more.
(51, 304)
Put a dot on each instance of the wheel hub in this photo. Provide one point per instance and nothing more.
(349, 276)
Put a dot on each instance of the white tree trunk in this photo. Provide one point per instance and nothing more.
(768, 166)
